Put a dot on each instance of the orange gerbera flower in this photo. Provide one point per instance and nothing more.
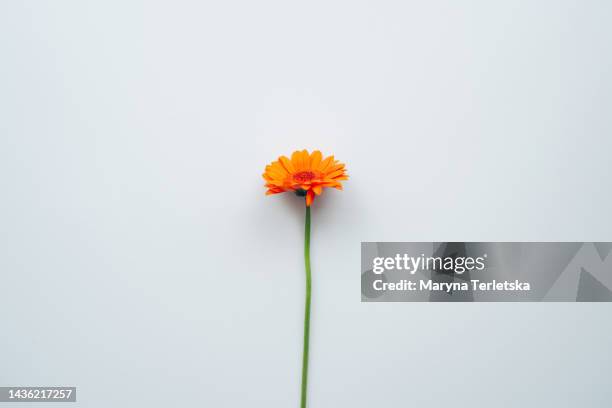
(305, 174)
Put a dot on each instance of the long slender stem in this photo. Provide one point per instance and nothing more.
(306, 308)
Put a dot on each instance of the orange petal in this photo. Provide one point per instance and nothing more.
(335, 167)
(315, 159)
(306, 159)
(275, 173)
(278, 167)
(330, 183)
(317, 189)
(296, 160)
(309, 197)
(325, 163)
(278, 183)
(335, 174)
(286, 164)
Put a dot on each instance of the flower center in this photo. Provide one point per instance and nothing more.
(303, 176)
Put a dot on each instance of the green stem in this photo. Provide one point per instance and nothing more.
(306, 308)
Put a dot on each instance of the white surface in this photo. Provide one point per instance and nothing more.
(141, 256)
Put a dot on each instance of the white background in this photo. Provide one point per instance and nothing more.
(142, 263)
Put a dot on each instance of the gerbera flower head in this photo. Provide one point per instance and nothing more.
(304, 174)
